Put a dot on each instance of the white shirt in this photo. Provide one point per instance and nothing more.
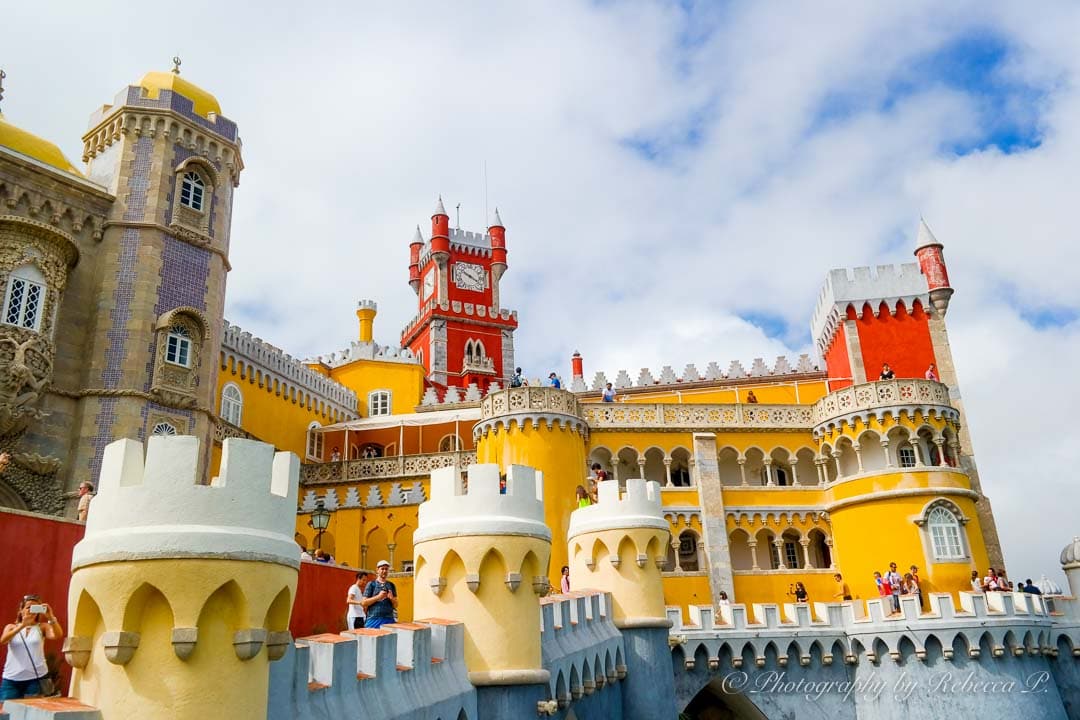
(18, 665)
(355, 611)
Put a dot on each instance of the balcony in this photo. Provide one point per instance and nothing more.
(383, 468)
(612, 416)
(909, 393)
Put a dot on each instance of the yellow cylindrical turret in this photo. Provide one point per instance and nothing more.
(480, 555)
(178, 586)
(365, 313)
(618, 545)
(543, 428)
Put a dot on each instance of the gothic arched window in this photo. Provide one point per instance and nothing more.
(944, 534)
(232, 404)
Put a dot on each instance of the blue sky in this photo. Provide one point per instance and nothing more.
(676, 178)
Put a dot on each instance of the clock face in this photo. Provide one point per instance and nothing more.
(429, 283)
(468, 276)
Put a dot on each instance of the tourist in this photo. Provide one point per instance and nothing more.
(914, 570)
(909, 586)
(884, 589)
(886, 372)
(583, 497)
(609, 393)
(976, 584)
(723, 599)
(843, 592)
(305, 554)
(354, 619)
(751, 397)
(516, 379)
(894, 580)
(5, 460)
(990, 582)
(335, 455)
(1004, 584)
(380, 598)
(86, 494)
(564, 584)
(25, 671)
(931, 373)
(1030, 587)
(801, 596)
(599, 473)
(553, 381)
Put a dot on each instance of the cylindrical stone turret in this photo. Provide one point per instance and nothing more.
(177, 586)
(365, 313)
(1070, 563)
(932, 265)
(481, 557)
(541, 427)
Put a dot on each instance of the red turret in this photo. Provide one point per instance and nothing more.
(414, 260)
(932, 265)
(576, 366)
(440, 233)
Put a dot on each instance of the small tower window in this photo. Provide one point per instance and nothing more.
(164, 429)
(178, 349)
(25, 298)
(191, 190)
(379, 403)
(314, 442)
(944, 534)
(907, 456)
(232, 404)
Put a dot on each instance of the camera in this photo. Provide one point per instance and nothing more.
(38, 609)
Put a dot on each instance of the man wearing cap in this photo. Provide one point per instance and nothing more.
(380, 598)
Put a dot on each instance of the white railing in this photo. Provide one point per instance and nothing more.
(882, 393)
(384, 468)
(687, 416)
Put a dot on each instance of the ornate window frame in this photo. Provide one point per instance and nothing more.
(313, 443)
(194, 214)
(232, 404)
(380, 402)
(29, 283)
(930, 547)
(164, 428)
(174, 383)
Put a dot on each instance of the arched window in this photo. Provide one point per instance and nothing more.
(450, 443)
(178, 348)
(314, 442)
(944, 534)
(379, 403)
(906, 453)
(232, 403)
(191, 190)
(688, 551)
(25, 298)
(164, 428)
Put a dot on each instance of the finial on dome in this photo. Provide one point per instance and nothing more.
(176, 64)
(418, 238)
(2, 76)
(496, 221)
(439, 209)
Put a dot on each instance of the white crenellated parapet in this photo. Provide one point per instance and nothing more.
(638, 507)
(783, 367)
(156, 508)
(583, 649)
(480, 508)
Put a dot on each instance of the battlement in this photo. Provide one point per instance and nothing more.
(638, 507)
(890, 284)
(367, 305)
(582, 648)
(480, 240)
(404, 670)
(157, 508)
(238, 342)
(366, 351)
(783, 367)
(480, 506)
(500, 316)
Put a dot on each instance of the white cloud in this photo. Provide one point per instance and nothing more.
(354, 118)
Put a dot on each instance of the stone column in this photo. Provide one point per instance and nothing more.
(858, 455)
(778, 543)
(363, 556)
(805, 552)
(390, 549)
(667, 472)
(641, 467)
(885, 449)
(706, 476)
(752, 544)
(742, 470)
(768, 472)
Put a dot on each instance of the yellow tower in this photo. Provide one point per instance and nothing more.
(480, 559)
(178, 586)
(619, 545)
(543, 428)
(365, 313)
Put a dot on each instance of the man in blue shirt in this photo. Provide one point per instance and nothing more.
(380, 598)
(554, 379)
(609, 393)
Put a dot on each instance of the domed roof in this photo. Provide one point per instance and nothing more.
(155, 82)
(1048, 586)
(1071, 553)
(30, 145)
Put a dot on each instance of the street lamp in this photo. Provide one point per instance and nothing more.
(320, 520)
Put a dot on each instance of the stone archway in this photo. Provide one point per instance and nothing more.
(11, 499)
(713, 703)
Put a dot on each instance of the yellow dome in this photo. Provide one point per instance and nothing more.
(31, 145)
(155, 82)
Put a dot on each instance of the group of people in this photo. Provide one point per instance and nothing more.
(373, 599)
(996, 581)
(317, 555)
(888, 374)
(892, 585)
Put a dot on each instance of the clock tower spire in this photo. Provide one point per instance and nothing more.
(461, 333)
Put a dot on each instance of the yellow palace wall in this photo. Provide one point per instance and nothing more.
(405, 381)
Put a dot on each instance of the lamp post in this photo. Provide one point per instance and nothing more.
(320, 519)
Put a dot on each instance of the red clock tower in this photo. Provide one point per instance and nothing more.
(461, 334)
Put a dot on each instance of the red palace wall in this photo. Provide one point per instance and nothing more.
(837, 363)
(902, 340)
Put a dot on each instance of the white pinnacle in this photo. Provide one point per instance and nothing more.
(496, 221)
(418, 237)
(925, 237)
(439, 209)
